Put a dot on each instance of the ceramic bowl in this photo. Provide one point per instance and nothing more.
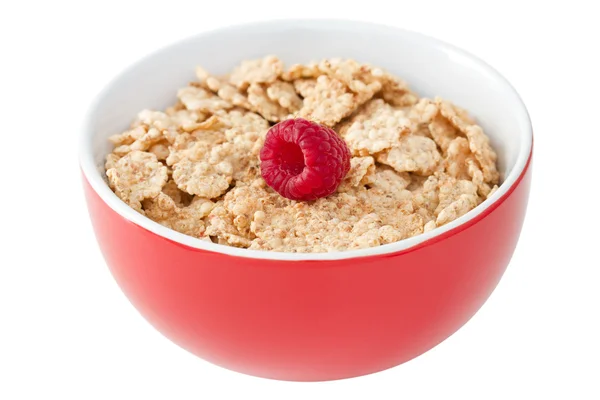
(309, 317)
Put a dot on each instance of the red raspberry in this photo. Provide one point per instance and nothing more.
(302, 160)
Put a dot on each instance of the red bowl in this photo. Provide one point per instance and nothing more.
(310, 317)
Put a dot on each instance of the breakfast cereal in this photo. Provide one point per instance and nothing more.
(416, 163)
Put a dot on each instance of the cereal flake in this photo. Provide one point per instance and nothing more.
(304, 87)
(361, 171)
(330, 101)
(262, 104)
(187, 220)
(283, 93)
(390, 181)
(301, 71)
(456, 198)
(264, 70)
(137, 176)
(199, 99)
(376, 127)
(412, 154)
(478, 141)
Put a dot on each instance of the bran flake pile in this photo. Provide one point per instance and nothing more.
(417, 163)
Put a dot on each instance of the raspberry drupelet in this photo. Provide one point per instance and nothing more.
(302, 160)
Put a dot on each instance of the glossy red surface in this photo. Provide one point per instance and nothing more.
(312, 320)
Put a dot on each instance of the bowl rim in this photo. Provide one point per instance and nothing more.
(94, 177)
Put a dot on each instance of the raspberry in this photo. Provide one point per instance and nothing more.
(302, 160)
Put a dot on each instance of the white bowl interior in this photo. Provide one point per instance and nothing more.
(429, 66)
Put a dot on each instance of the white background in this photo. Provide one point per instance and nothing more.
(66, 330)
